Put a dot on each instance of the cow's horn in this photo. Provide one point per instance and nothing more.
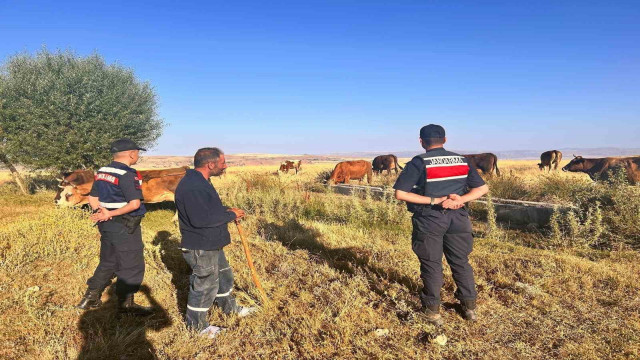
(60, 179)
(61, 187)
(574, 155)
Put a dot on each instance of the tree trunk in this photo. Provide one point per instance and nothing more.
(15, 173)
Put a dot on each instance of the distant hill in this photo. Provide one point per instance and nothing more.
(512, 154)
(163, 161)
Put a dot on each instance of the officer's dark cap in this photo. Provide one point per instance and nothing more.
(124, 145)
(432, 131)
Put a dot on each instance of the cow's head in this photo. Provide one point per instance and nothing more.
(74, 188)
(576, 164)
(540, 166)
(337, 177)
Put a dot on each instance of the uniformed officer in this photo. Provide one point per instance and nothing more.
(436, 185)
(116, 200)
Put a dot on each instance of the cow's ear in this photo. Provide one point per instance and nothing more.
(65, 174)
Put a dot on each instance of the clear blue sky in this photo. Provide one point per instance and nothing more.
(338, 76)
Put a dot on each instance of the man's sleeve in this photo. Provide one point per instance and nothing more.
(130, 188)
(410, 175)
(473, 178)
(202, 210)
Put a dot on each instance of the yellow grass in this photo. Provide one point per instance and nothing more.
(336, 269)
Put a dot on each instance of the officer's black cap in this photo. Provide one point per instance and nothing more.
(432, 131)
(124, 145)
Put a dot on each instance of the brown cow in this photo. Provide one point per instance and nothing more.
(157, 186)
(290, 164)
(603, 168)
(347, 170)
(485, 162)
(548, 158)
(385, 162)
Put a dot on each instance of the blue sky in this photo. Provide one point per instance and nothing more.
(340, 76)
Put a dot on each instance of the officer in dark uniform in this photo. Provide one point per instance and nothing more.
(116, 200)
(436, 185)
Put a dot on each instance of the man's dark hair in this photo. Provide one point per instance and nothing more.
(432, 141)
(205, 155)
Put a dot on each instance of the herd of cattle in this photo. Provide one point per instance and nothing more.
(160, 185)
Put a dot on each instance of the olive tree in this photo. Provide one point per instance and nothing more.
(61, 111)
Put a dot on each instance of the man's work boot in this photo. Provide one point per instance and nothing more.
(91, 300)
(469, 310)
(128, 307)
(432, 313)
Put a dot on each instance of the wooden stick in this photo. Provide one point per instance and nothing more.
(254, 274)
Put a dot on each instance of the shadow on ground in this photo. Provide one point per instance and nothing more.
(177, 266)
(108, 335)
(351, 260)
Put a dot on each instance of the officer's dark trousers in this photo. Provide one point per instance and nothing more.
(211, 282)
(121, 256)
(443, 231)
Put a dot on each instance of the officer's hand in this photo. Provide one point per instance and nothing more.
(239, 213)
(102, 215)
(454, 202)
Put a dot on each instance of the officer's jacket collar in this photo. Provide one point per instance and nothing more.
(435, 149)
(123, 166)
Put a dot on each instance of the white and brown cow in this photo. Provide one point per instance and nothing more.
(287, 165)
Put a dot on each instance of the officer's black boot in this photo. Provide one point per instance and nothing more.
(91, 299)
(432, 313)
(469, 310)
(128, 307)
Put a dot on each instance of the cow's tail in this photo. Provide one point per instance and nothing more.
(370, 174)
(495, 164)
(395, 158)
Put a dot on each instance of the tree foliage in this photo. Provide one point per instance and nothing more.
(61, 111)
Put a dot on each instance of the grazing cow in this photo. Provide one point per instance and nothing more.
(290, 164)
(347, 170)
(602, 168)
(548, 158)
(385, 162)
(486, 162)
(157, 186)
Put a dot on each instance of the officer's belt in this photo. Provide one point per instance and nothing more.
(112, 205)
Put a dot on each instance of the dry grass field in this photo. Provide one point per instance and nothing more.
(336, 269)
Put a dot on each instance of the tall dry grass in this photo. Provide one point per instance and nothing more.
(336, 269)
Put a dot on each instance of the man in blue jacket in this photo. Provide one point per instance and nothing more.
(203, 224)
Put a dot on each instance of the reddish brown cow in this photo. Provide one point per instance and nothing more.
(548, 158)
(157, 186)
(290, 164)
(347, 170)
(603, 168)
(485, 162)
(385, 162)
